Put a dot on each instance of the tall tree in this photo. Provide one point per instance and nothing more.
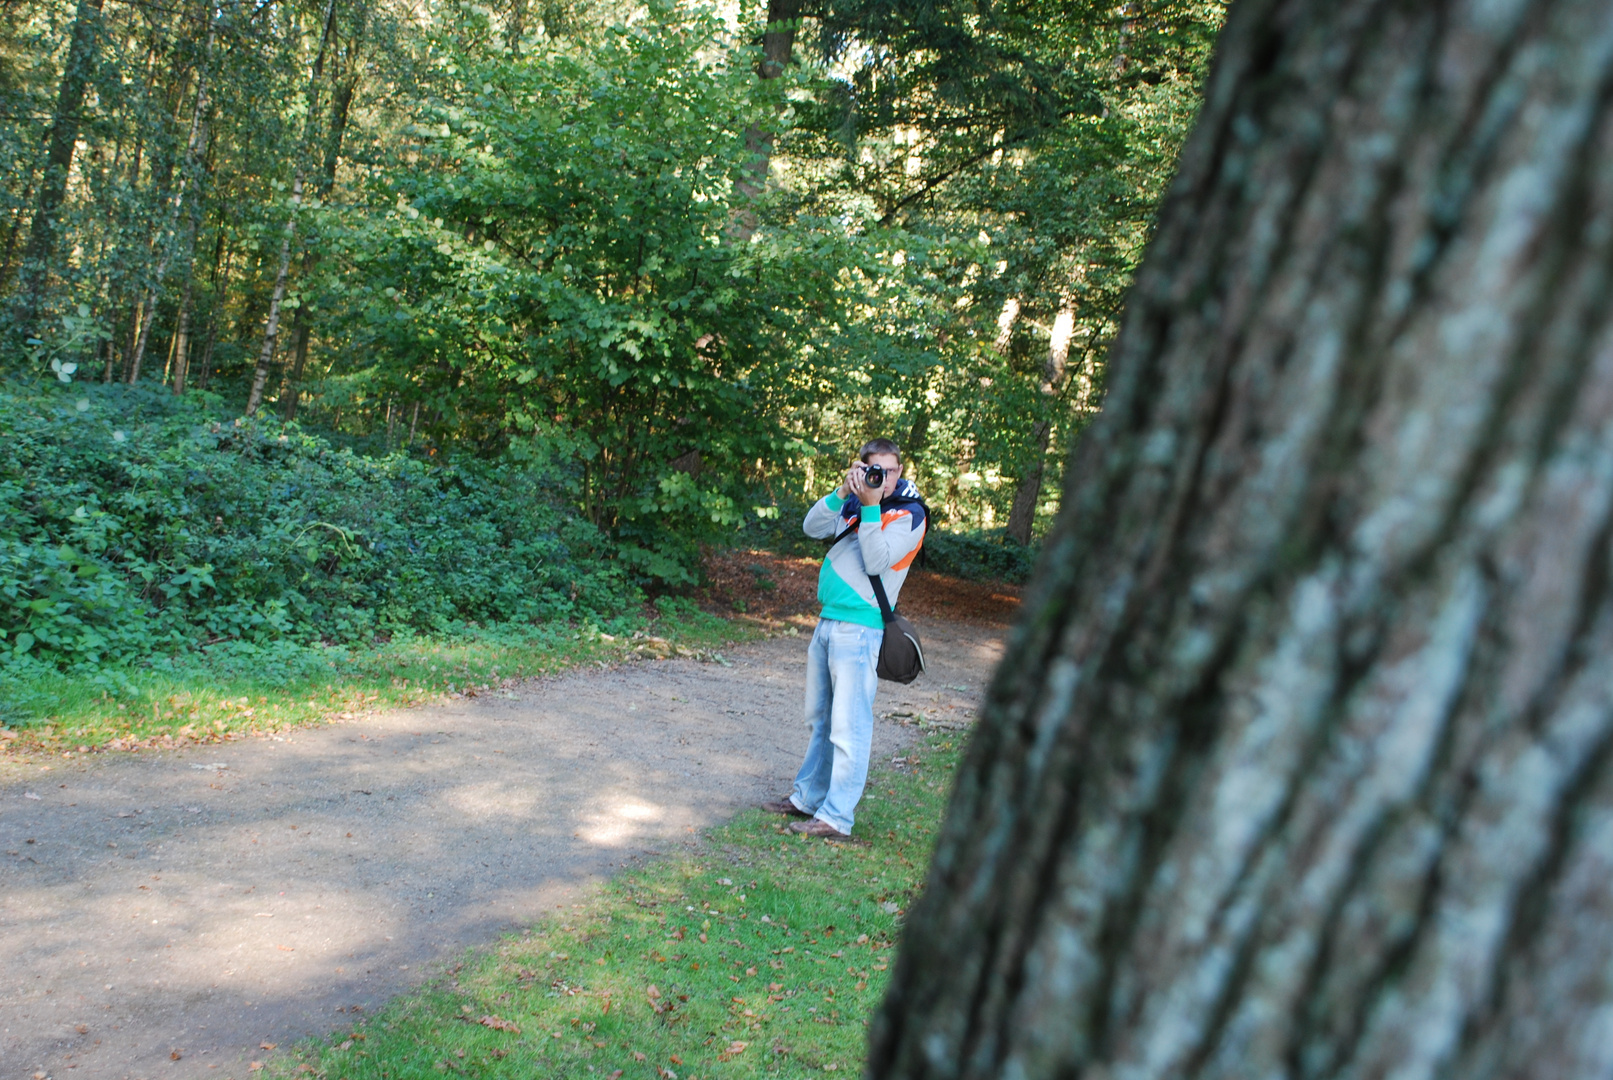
(778, 51)
(1304, 764)
(271, 329)
(335, 129)
(59, 146)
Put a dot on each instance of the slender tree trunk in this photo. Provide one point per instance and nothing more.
(182, 339)
(515, 26)
(193, 151)
(1022, 515)
(40, 250)
(778, 49)
(271, 333)
(1302, 761)
(13, 232)
(340, 107)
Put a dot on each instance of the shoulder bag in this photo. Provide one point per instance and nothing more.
(901, 655)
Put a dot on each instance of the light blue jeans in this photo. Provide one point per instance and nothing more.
(842, 675)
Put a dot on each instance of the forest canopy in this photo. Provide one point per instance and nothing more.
(675, 259)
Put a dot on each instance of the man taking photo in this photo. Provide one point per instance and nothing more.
(876, 522)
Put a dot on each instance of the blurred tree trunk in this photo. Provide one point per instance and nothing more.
(1304, 764)
(40, 250)
(1022, 515)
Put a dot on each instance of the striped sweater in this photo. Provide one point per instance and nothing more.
(888, 550)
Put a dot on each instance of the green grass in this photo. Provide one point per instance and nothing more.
(212, 698)
(762, 955)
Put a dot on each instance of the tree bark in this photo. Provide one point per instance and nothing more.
(41, 247)
(1303, 766)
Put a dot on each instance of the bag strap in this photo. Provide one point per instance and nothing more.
(848, 531)
(885, 611)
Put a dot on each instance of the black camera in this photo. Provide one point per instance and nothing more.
(874, 475)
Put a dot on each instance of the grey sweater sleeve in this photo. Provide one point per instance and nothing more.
(822, 522)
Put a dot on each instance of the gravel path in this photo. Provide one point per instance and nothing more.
(165, 914)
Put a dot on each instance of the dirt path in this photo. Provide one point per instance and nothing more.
(165, 914)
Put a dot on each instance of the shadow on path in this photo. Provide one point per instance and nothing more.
(201, 903)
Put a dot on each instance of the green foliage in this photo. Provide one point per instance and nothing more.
(560, 262)
(548, 231)
(132, 524)
(763, 956)
(980, 555)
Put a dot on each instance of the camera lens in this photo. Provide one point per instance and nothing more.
(874, 476)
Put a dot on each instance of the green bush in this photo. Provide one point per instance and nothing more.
(133, 524)
(980, 555)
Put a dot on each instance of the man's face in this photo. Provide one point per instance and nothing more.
(893, 471)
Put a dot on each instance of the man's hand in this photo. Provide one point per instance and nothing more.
(866, 495)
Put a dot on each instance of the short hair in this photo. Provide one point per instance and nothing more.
(880, 446)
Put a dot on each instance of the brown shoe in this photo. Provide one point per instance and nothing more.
(819, 828)
(784, 806)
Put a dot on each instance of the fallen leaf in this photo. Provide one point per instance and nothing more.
(775, 987)
(862, 939)
(347, 1044)
(891, 907)
(256, 1066)
(617, 1075)
(174, 1055)
(638, 1055)
(266, 1046)
(653, 992)
(750, 971)
(675, 1059)
(499, 1025)
(82, 1029)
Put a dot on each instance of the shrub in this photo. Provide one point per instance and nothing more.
(980, 555)
(133, 523)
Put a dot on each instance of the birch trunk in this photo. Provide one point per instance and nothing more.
(271, 330)
(1301, 762)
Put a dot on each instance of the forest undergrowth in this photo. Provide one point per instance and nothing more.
(167, 575)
